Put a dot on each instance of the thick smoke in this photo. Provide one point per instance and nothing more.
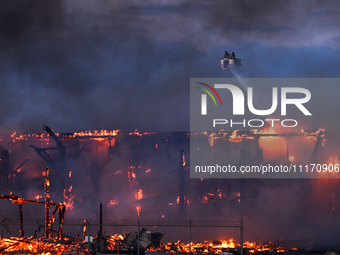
(126, 65)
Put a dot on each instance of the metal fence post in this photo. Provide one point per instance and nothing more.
(88, 238)
(241, 241)
(190, 235)
(38, 230)
(138, 236)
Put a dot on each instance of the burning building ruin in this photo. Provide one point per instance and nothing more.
(146, 176)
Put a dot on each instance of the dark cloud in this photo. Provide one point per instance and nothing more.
(159, 9)
(21, 20)
(127, 65)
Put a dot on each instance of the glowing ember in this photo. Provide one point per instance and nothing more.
(69, 195)
(135, 133)
(113, 202)
(139, 194)
(138, 208)
(236, 138)
(212, 137)
(215, 247)
(183, 158)
(264, 131)
(37, 197)
(32, 245)
(96, 133)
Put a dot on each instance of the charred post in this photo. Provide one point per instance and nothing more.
(241, 241)
(84, 230)
(22, 234)
(4, 166)
(23, 163)
(181, 183)
(52, 220)
(61, 210)
(100, 234)
(47, 206)
(317, 147)
(56, 162)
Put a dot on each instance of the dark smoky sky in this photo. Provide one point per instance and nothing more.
(85, 65)
(81, 65)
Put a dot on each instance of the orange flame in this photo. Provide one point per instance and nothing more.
(96, 133)
(138, 208)
(30, 246)
(113, 202)
(139, 194)
(69, 202)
